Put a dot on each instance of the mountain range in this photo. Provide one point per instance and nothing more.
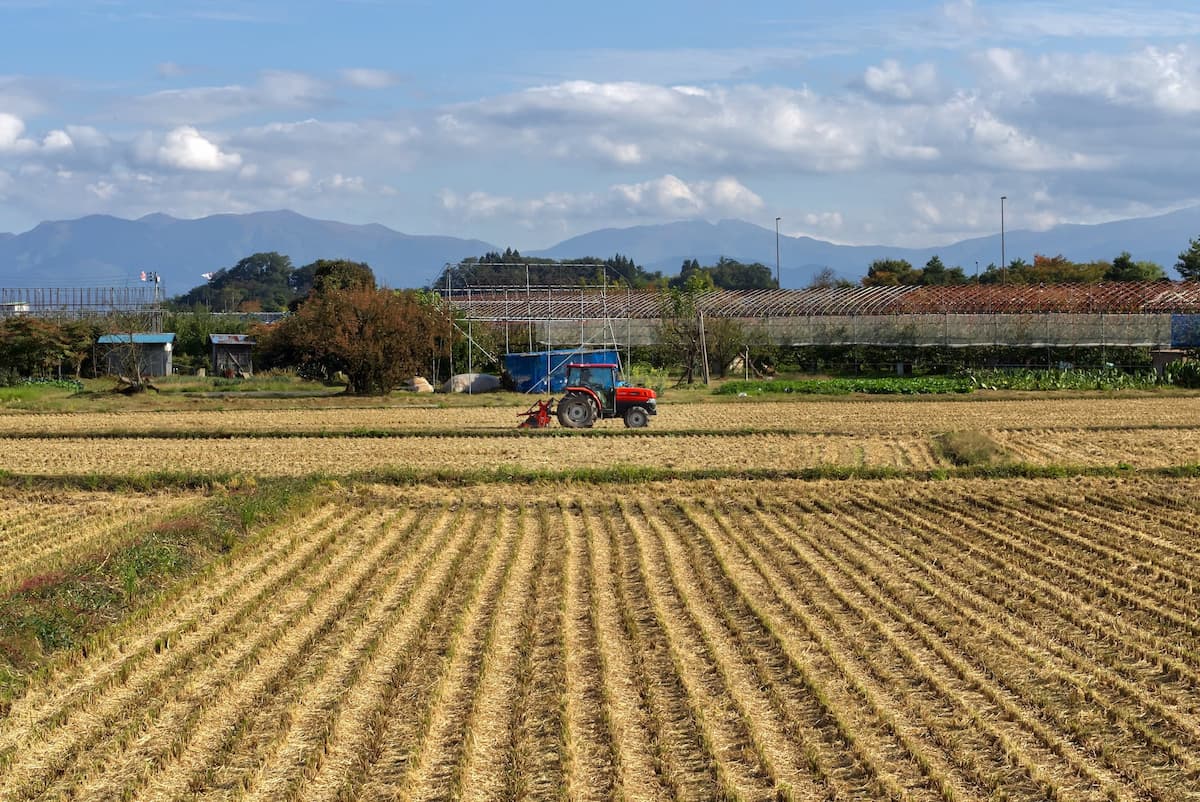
(103, 250)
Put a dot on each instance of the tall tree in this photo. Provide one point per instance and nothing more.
(1123, 268)
(1189, 262)
(826, 279)
(375, 337)
(261, 278)
(891, 273)
(936, 273)
(679, 324)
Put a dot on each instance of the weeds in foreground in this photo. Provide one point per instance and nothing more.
(969, 449)
(54, 612)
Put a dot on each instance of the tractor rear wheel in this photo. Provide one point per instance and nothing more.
(636, 417)
(576, 412)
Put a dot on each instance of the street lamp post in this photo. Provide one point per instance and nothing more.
(1003, 263)
(778, 279)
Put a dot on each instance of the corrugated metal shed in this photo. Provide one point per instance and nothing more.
(231, 354)
(151, 352)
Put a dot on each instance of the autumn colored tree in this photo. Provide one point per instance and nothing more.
(32, 346)
(377, 338)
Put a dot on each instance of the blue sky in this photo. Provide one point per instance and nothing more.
(858, 122)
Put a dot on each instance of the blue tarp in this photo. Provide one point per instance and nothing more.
(529, 370)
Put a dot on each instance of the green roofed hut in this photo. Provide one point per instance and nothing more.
(120, 354)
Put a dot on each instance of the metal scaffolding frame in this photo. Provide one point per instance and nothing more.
(1107, 314)
(538, 310)
(141, 302)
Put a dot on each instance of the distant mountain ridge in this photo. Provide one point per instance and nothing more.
(100, 249)
(663, 247)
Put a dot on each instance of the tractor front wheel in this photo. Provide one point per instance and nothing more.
(576, 412)
(636, 417)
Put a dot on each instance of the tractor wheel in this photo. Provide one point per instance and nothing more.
(636, 417)
(576, 412)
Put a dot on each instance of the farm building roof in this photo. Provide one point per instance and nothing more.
(566, 303)
(231, 339)
(137, 338)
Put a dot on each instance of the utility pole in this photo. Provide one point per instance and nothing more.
(778, 280)
(1003, 263)
(155, 312)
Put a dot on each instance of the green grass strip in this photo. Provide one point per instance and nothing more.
(921, 385)
(508, 434)
(49, 613)
(616, 474)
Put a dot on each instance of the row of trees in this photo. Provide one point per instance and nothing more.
(1044, 270)
(32, 346)
(268, 281)
(510, 269)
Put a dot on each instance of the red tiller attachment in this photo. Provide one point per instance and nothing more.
(538, 415)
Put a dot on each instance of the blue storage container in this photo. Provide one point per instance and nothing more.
(529, 370)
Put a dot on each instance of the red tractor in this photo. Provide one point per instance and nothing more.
(595, 391)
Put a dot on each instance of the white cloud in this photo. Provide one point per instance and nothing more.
(824, 221)
(891, 80)
(11, 129)
(57, 141)
(755, 128)
(103, 190)
(1022, 21)
(85, 136)
(366, 78)
(342, 183)
(185, 148)
(299, 177)
(668, 197)
(285, 89)
(274, 90)
(1167, 80)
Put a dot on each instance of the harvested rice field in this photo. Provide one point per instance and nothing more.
(893, 415)
(426, 604)
(723, 639)
(41, 532)
(298, 456)
(294, 456)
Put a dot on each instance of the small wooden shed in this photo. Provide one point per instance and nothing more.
(151, 351)
(231, 354)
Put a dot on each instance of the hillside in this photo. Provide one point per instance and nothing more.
(108, 250)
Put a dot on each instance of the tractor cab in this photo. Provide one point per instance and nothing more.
(595, 390)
